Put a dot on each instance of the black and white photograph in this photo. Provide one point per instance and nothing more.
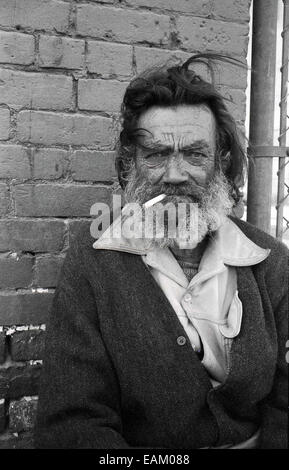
(144, 227)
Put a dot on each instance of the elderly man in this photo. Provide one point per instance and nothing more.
(170, 342)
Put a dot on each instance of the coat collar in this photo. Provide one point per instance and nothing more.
(229, 245)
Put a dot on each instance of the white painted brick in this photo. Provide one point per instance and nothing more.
(100, 95)
(36, 14)
(109, 59)
(35, 90)
(4, 123)
(66, 129)
(16, 48)
(122, 25)
(59, 52)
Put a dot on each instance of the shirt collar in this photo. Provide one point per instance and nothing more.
(229, 245)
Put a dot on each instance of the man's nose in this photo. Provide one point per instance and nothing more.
(174, 173)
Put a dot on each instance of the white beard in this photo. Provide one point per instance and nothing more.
(213, 207)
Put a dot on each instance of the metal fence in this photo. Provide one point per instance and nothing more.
(282, 224)
(261, 135)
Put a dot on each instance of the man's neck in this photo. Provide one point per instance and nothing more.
(192, 256)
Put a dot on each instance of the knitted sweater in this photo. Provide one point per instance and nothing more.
(117, 375)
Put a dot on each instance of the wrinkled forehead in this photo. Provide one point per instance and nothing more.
(184, 124)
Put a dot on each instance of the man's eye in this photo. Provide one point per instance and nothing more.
(156, 158)
(193, 153)
(194, 157)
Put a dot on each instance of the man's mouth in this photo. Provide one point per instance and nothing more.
(154, 200)
(174, 198)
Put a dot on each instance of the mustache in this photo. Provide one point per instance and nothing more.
(188, 190)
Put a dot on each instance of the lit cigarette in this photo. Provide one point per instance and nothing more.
(154, 200)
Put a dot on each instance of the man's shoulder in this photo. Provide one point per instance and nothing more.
(261, 238)
(81, 248)
(81, 238)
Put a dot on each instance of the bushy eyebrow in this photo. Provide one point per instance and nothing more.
(154, 146)
(198, 145)
(157, 145)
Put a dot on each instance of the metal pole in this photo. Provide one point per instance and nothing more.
(262, 110)
(283, 122)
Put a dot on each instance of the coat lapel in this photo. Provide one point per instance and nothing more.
(251, 353)
(162, 314)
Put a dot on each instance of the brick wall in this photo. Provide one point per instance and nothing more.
(64, 66)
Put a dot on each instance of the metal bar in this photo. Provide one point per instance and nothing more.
(287, 224)
(268, 152)
(262, 110)
(283, 123)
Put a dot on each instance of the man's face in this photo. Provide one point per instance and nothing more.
(177, 145)
(176, 156)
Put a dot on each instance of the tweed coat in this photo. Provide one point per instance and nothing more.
(116, 376)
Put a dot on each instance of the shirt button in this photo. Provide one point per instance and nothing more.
(187, 297)
(181, 340)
